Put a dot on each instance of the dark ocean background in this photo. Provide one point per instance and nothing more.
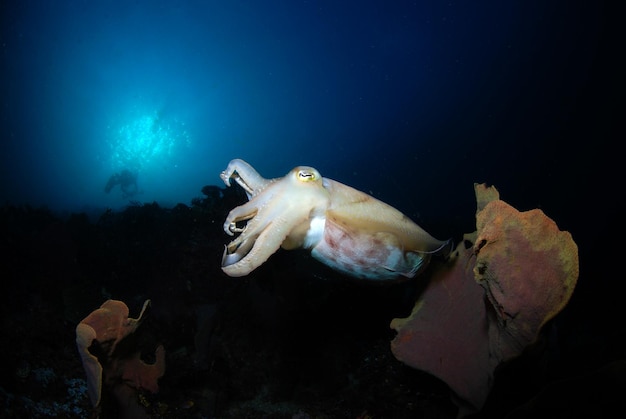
(410, 101)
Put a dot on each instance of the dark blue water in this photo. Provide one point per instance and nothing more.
(412, 101)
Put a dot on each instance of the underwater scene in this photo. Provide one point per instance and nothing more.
(312, 209)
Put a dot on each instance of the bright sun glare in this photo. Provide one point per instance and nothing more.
(147, 141)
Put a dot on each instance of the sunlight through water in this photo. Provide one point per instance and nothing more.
(147, 141)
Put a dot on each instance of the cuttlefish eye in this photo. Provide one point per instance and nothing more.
(308, 175)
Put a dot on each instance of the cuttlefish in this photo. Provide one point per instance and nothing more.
(346, 229)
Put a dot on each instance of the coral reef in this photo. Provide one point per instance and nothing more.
(504, 282)
(293, 339)
(103, 330)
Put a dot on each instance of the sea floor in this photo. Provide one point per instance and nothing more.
(291, 340)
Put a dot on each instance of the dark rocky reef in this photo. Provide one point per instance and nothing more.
(292, 340)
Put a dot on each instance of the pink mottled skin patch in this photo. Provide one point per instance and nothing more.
(361, 254)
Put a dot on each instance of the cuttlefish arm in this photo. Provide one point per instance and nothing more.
(278, 211)
(245, 175)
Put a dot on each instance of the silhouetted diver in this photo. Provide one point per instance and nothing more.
(127, 181)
